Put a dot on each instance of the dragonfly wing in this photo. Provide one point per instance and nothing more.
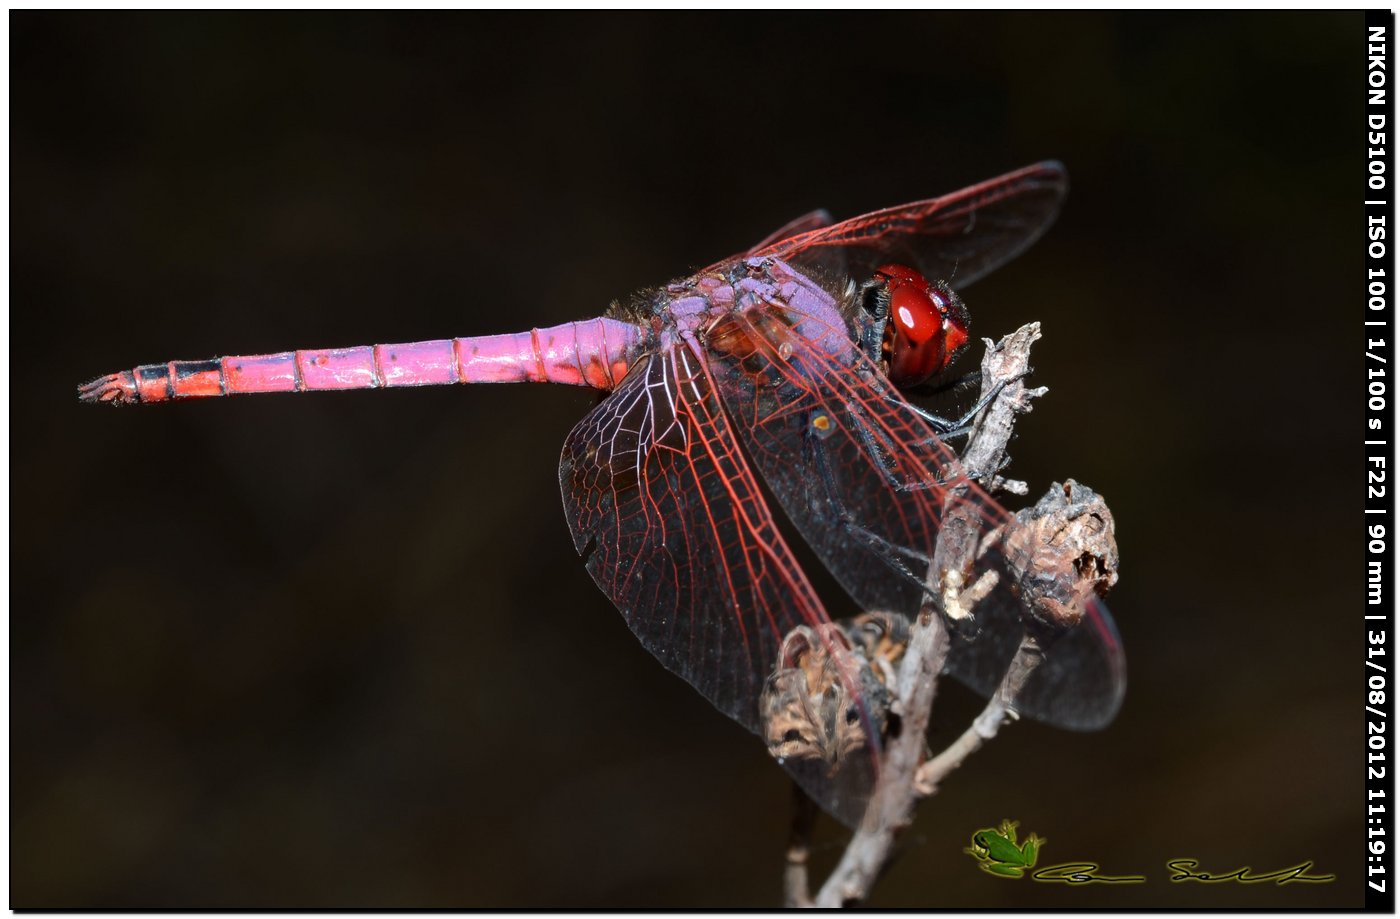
(872, 489)
(1088, 663)
(958, 237)
(807, 223)
(816, 220)
(675, 530)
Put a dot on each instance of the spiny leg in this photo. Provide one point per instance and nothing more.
(947, 428)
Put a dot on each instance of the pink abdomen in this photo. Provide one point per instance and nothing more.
(594, 352)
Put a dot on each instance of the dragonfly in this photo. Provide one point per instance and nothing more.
(788, 366)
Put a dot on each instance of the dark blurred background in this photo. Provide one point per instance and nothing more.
(338, 650)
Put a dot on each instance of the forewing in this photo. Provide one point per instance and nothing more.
(873, 490)
(807, 223)
(958, 237)
(816, 220)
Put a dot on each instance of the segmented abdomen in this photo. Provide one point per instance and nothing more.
(596, 353)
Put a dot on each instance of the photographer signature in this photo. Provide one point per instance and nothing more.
(999, 853)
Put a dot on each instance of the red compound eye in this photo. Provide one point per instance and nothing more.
(927, 326)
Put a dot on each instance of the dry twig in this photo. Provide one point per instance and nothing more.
(796, 891)
(899, 787)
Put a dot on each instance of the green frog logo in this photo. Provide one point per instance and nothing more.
(999, 854)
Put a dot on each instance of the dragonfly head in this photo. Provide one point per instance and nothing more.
(925, 323)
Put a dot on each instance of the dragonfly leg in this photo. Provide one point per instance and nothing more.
(889, 552)
(938, 385)
(878, 446)
(947, 591)
(962, 427)
(946, 428)
(946, 587)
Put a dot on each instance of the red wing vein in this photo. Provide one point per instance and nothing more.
(685, 544)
